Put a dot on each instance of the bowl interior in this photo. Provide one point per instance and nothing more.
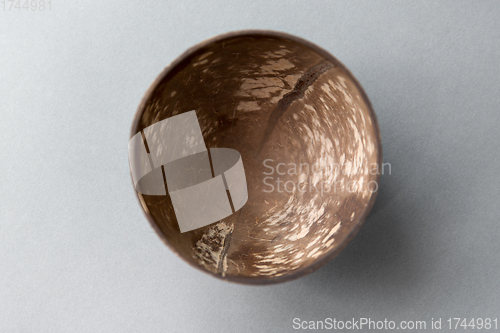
(309, 143)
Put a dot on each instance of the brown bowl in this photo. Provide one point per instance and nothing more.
(309, 142)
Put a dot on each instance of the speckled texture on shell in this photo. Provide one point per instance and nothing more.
(271, 96)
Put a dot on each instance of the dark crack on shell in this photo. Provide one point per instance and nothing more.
(225, 248)
(304, 82)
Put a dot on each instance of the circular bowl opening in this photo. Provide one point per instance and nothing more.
(309, 142)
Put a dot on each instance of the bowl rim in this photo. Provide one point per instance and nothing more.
(262, 280)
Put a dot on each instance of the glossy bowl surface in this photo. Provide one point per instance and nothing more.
(310, 147)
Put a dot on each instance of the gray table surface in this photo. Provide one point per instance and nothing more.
(77, 254)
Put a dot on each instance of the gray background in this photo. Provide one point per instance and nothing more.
(76, 253)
